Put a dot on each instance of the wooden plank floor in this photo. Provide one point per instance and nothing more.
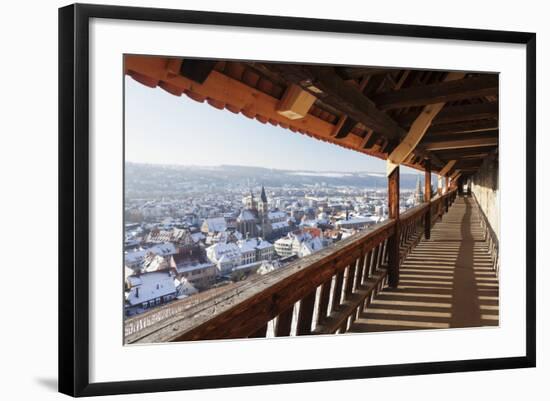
(445, 282)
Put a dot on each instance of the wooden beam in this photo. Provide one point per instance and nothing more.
(461, 89)
(197, 70)
(418, 128)
(463, 153)
(477, 156)
(360, 72)
(466, 163)
(173, 66)
(295, 103)
(470, 112)
(447, 167)
(345, 124)
(463, 127)
(413, 137)
(453, 114)
(423, 154)
(346, 127)
(469, 169)
(460, 143)
(394, 240)
(367, 140)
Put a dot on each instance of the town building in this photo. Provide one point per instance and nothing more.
(256, 249)
(301, 243)
(135, 259)
(195, 268)
(147, 290)
(357, 222)
(214, 225)
(226, 256)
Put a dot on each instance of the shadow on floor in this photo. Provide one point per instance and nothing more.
(445, 282)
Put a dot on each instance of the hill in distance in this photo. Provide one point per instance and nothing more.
(174, 178)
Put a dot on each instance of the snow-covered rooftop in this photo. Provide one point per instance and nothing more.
(149, 286)
(279, 225)
(276, 215)
(217, 251)
(246, 215)
(216, 224)
(189, 267)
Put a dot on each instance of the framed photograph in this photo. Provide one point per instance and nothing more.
(253, 199)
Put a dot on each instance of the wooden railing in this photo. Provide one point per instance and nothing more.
(491, 238)
(412, 228)
(440, 205)
(321, 294)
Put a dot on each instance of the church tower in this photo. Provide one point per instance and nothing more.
(263, 205)
(250, 202)
(419, 195)
(263, 214)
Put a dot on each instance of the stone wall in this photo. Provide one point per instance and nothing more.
(485, 187)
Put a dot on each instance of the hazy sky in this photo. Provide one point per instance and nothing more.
(166, 129)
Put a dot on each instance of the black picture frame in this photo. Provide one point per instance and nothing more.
(74, 198)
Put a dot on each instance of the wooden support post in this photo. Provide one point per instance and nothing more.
(428, 197)
(439, 185)
(393, 241)
(446, 183)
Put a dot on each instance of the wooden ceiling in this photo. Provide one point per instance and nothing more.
(446, 116)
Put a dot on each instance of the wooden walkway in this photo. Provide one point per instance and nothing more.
(445, 282)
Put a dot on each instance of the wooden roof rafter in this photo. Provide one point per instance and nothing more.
(439, 92)
(328, 87)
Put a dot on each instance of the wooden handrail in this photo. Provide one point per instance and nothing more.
(319, 294)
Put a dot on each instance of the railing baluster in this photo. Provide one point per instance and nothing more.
(284, 323)
(366, 269)
(359, 271)
(349, 282)
(323, 301)
(344, 327)
(379, 256)
(385, 253)
(305, 314)
(374, 258)
(337, 290)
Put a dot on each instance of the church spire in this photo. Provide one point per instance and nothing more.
(263, 196)
(419, 196)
